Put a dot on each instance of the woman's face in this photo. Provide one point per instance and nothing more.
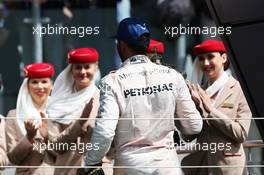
(39, 89)
(83, 74)
(212, 64)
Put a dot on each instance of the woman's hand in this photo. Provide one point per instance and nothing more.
(86, 111)
(194, 93)
(43, 128)
(206, 100)
(31, 130)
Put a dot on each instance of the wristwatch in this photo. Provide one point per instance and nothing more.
(94, 171)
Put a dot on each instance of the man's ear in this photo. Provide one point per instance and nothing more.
(122, 45)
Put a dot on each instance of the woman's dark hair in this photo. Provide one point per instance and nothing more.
(45, 77)
(227, 63)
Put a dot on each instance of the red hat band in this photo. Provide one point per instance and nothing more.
(155, 47)
(83, 55)
(39, 70)
(209, 46)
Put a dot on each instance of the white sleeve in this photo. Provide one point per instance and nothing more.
(185, 108)
(105, 125)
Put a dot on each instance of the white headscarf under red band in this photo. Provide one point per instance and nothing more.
(25, 108)
(65, 104)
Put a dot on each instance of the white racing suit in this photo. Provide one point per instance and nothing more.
(138, 104)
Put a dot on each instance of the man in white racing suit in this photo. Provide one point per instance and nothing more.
(138, 105)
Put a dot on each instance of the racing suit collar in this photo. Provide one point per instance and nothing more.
(136, 59)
